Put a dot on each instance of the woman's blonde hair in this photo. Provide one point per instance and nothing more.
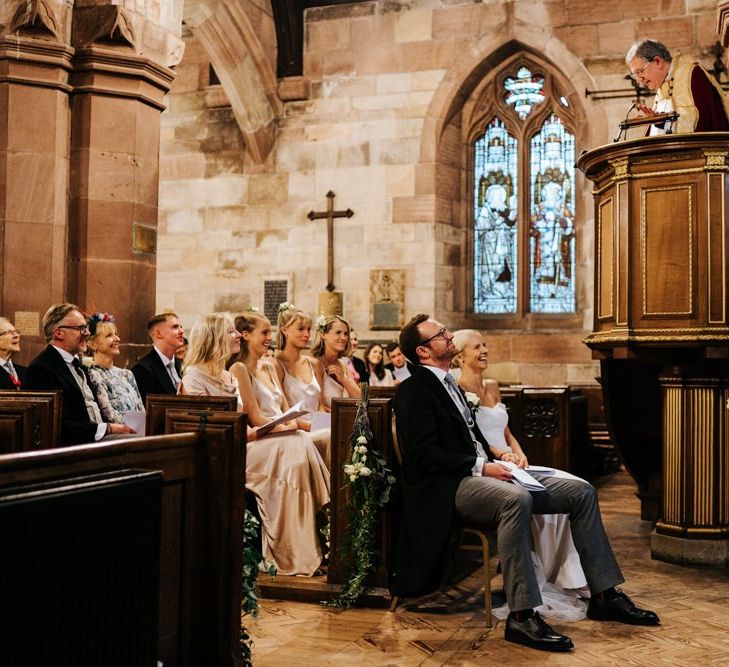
(209, 343)
(318, 348)
(245, 323)
(288, 317)
(102, 328)
(459, 342)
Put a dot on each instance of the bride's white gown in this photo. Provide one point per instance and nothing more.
(556, 561)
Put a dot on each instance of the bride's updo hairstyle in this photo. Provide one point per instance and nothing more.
(460, 338)
(290, 315)
(245, 323)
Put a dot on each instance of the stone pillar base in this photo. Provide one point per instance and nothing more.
(689, 552)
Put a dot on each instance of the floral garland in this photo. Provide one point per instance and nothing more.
(370, 484)
(252, 559)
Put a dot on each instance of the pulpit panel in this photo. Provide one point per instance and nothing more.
(605, 277)
(717, 251)
(623, 255)
(667, 236)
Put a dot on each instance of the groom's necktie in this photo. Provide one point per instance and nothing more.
(455, 392)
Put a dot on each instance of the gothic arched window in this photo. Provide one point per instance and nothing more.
(523, 188)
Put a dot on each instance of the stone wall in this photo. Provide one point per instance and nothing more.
(378, 122)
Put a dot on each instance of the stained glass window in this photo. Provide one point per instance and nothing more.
(552, 216)
(524, 92)
(523, 186)
(495, 229)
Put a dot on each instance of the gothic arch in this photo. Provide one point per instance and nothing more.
(439, 135)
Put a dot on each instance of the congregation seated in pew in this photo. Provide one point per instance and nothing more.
(283, 470)
(58, 367)
(11, 375)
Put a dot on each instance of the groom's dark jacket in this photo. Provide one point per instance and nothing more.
(438, 452)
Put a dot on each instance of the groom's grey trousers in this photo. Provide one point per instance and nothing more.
(487, 502)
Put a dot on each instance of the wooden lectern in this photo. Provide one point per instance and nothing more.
(661, 330)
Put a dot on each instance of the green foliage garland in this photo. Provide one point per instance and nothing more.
(252, 559)
(370, 483)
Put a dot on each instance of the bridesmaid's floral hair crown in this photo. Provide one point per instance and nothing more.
(286, 306)
(96, 318)
(253, 309)
(321, 322)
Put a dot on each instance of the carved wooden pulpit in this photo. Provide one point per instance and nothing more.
(661, 330)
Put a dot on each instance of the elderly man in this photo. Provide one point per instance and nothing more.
(681, 85)
(448, 472)
(158, 372)
(59, 367)
(14, 374)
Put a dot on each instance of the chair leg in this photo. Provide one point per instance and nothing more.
(394, 602)
(486, 580)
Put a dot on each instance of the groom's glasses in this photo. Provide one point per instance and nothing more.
(443, 333)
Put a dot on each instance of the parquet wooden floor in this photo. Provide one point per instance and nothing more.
(693, 604)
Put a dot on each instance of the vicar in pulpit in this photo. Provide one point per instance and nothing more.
(681, 85)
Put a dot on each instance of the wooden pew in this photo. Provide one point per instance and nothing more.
(201, 528)
(80, 568)
(344, 411)
(158, 404)
(29, 420)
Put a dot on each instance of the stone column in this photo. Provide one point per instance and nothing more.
(114, 181)
(35, 60)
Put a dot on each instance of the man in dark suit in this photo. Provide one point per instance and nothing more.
(12, 375)
(399, 366)
(448, 471)
(58, 367)
(160, 371)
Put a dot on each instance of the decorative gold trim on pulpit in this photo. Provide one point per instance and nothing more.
(643, 250)
(609, 205)
(716, 158)
(620, 168)
(721, 282)
(662, 336)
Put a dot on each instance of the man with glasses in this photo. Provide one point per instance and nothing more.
(681, 85)
(14, 374)
(449, 474)
(58, 367)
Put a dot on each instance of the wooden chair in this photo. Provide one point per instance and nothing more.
(459, 533)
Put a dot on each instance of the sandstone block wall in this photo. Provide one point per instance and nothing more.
(382, 78)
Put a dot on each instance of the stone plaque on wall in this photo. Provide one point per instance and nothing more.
(387, 299)
(144, 239)
(27, 322)
(275, 292)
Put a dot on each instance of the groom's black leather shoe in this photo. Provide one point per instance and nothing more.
(621, 609)
(535, 633)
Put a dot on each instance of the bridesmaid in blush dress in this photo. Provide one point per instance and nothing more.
(284, 470)
(557, 562)
(330, 347)
(296, 371)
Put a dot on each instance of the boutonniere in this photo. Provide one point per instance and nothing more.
(472, 399)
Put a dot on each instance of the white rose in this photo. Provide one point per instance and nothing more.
(353, 478)
(365, 471)
(349, 469)
(472, 399)
(361, 440)
(362, 449)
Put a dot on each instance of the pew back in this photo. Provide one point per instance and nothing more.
(204, 476)
(158, 404)
(31, 420)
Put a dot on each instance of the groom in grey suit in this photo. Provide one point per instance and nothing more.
(448, 472)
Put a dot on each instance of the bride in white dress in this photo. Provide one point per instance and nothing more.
(556, 560)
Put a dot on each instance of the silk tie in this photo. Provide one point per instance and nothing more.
(12, 373)
(458, 396)
(173, 374)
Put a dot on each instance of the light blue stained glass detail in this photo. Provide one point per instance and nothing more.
(524, 92)
(552, 216)
(495, 229)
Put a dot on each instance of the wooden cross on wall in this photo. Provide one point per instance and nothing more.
(330, 214)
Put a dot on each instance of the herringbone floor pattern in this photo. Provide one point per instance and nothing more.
(693, 604)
